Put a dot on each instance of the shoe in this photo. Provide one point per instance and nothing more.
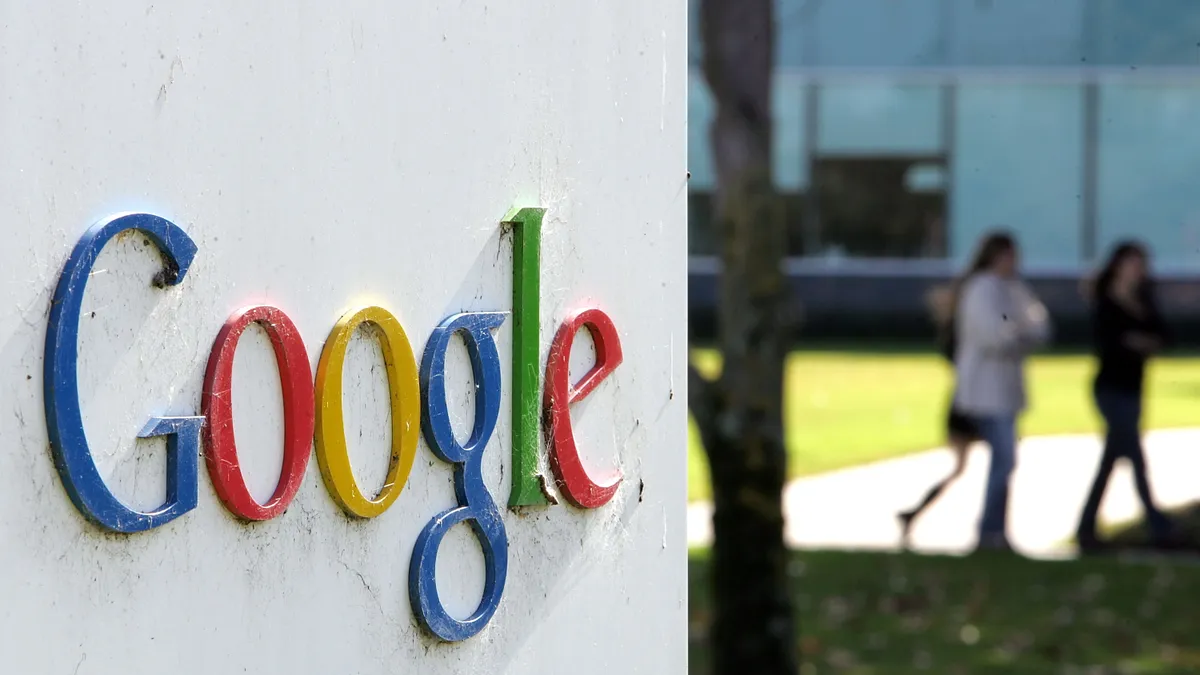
(1092, 546)
(906, 521)
(996, 543)
(1168, 542)
(1167, 537)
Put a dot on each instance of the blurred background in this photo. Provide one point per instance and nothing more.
(901, 131)
(904, 129)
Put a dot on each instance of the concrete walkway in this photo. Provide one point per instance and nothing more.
(856, 508)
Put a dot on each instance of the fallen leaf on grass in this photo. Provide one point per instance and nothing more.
(842, 659)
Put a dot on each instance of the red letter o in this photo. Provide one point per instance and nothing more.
(298, 410)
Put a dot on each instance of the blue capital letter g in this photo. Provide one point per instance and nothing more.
(64, 421)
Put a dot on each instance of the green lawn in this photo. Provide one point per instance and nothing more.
(845, 408)
(866, 613)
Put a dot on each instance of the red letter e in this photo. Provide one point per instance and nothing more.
(577, 486)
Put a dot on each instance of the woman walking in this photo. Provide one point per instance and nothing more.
(998, 321)
(1127, 330)
(961, 430)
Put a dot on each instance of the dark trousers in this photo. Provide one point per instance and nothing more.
(1122, 412)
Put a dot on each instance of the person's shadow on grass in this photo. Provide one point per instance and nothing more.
(1134, 539)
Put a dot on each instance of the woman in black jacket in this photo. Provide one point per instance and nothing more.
(1127, 330)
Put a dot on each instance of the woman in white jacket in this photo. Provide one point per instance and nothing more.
(998, 322)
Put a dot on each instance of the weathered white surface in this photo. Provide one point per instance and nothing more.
(327, 155)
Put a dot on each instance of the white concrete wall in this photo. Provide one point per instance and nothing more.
(322, 156)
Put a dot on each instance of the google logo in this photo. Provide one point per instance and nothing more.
(313, 411)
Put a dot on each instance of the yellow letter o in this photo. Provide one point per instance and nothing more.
(405, 398)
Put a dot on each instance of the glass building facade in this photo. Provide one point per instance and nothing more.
(904, 129)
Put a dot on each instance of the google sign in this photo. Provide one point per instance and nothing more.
(313, 410)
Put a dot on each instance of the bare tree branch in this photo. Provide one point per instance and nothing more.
(699, 391)
(701, 402)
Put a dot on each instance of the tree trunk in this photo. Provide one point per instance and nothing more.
(740, 415)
